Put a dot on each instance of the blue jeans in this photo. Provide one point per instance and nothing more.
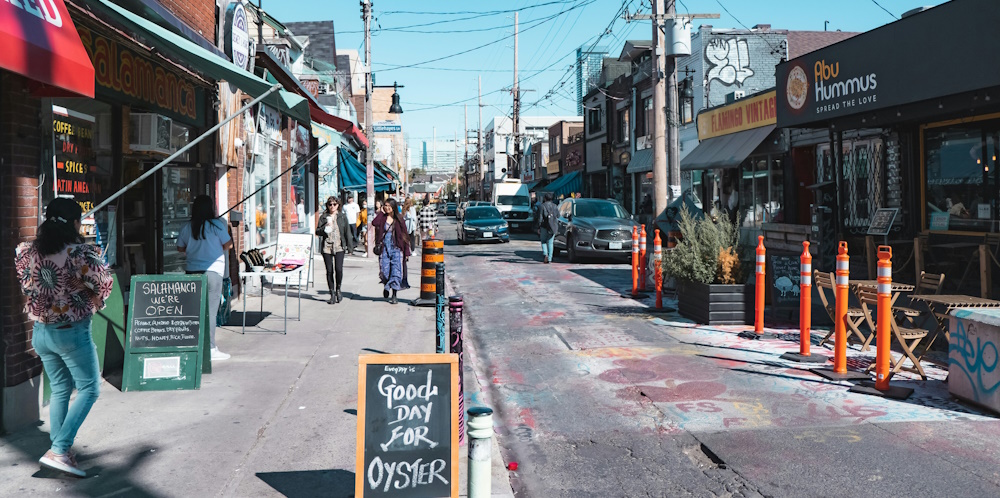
(548, 244)
(70, 359)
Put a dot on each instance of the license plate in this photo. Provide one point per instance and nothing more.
(487, 234)
(614, 245)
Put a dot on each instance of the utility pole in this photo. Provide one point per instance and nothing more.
(660, 123)
(479, 140)
(366, 14)
(434, 147)
(465, 153)
(673, 124)
(517, 111)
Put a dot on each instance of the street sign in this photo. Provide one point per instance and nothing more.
(387, 127)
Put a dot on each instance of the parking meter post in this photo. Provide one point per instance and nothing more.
(658, 268)
(758, 323)
(642, 257)
(455, 307)
(480, 452)
(442, 339)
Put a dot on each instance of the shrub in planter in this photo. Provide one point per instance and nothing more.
(706, 265)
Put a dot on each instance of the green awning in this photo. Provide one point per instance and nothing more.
(198, 59)
(386, 169)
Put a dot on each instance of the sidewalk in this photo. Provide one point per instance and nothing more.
(278, 418)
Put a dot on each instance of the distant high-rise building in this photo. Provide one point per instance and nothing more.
(588, 72)
(440, 158)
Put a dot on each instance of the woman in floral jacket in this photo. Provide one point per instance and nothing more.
(65, 281)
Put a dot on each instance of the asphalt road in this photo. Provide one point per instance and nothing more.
(597, 397)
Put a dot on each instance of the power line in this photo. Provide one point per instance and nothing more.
(458, 69)
(483, 13)
(537, 24)
(885, 9)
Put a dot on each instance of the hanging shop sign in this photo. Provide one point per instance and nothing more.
(124, 75)
(914, 59)
(301, 143)
(744, 114)
(269, 123)
(237, 36)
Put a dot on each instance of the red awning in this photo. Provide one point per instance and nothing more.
(40, 41)
(342, 125)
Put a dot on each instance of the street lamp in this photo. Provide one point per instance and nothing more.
(686, 91)
(395, 108)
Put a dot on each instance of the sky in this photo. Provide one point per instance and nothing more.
(415, 35)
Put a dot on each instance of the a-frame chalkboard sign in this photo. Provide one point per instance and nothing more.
(407, 425)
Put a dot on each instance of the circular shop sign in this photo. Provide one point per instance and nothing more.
(237, 35)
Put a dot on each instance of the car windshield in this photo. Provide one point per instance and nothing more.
(513, 200)
(451, 204)
(482, 213)
(598, 209)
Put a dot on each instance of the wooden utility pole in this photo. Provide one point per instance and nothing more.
(366, 12)
(479, 141)
(517, 111)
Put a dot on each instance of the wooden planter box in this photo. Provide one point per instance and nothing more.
(715, 304)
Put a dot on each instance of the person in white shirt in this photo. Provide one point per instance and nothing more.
(351, 210)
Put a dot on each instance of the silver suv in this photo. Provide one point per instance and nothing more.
(594, 227)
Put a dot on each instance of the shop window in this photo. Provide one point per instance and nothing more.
(265, 206)
(594, 124)
(180, 187)
(761, 192)
(960, 192)
(297, 196)
(82, 168)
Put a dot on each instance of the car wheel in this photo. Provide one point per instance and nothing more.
(571, 250)
(555, 251)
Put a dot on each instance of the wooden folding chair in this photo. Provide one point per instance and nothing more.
(863, 315)
(908, 339)
(823, 282)
(929, 283)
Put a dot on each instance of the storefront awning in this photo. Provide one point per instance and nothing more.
(354, 175)
(532, 185)
(204, 62)
(565, 185)
(641, 162)
(40, 41)
(727, 151)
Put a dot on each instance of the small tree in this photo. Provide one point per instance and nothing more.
(707, 252)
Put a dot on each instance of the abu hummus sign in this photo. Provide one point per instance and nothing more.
(914, 59)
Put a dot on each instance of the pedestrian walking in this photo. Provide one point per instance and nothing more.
(65, 281)
(428, 219)
(205, 241)
(352, 210)
(336, 240)
(412, 226)
(548, 224)
(363, 225)
(393, 247)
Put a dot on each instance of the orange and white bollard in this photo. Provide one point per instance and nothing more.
(635, 261)
(805, 311)
(841, 295)
(758, 323)
(883, 327)
(642, 257)
(657, 269)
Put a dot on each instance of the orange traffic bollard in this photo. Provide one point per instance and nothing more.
(805, 311)
(657, 269)
(642, 257)
(635, 261)
(840, 315)
(883, 327)
(758, 323)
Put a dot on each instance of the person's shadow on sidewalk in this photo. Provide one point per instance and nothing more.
(309, 483)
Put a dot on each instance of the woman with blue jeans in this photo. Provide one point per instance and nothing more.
(548, 225)
(65, 281)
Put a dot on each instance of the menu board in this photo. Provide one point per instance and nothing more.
(165, 311)
(785, 272)
(407, 426)
(882, 221)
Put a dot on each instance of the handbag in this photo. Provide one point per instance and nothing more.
(378, 248)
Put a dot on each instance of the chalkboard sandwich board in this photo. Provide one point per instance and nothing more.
(784, 274)
(166, 333)
(407, 425)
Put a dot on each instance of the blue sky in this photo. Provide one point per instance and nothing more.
(550, 32)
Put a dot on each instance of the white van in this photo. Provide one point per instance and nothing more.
(513, 200)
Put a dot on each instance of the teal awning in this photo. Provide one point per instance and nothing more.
(354, 176)
(387, 171)
(532, 186)
(198, 59)
(565, 185)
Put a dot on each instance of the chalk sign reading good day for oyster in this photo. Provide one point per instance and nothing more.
(407, 428)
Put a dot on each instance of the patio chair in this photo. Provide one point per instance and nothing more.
(929, 283)
(824, 282)
(908, 339)
(863, 315)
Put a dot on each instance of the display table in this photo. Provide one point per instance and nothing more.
(296, 273)
(973, 356)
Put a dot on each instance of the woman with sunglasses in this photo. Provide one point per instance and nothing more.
(336, 240)
(392, 244)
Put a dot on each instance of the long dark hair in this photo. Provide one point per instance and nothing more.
(202, 212)
(396, 215)
(59, 228)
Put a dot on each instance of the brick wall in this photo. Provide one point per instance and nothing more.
(20, 150)
(198, 14)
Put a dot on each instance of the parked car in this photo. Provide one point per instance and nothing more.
(460, 212)
(449, 209)
(482, 223)
(440, 207)
(594, 228)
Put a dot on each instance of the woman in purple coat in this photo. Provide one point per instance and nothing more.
(392, 244)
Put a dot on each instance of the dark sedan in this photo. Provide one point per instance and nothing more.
(594, 227)
(449, 209)
(482, 223)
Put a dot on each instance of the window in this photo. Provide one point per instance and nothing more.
(623, 130)
(644, 125)
(266, 203)
(554, 143)
(594, 124)
(761, 195)
(962, 177)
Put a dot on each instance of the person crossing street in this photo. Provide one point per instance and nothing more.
(428, 220)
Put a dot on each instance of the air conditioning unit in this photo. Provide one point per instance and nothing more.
(734, 96)
(150, 132)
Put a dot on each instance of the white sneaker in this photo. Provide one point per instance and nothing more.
(219, 355)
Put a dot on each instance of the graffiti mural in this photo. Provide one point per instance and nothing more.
(729, 60)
